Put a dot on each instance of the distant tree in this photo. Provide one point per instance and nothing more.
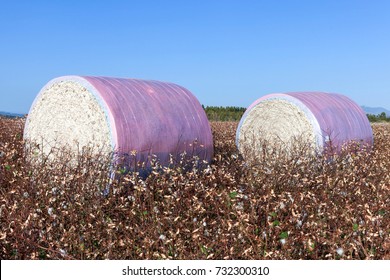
(382, 116)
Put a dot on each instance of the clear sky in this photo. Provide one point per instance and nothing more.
(228, 53)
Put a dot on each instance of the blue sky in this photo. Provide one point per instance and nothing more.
(228, 53)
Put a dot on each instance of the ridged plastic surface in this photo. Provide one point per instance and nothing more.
(150, 117)
(338, 118)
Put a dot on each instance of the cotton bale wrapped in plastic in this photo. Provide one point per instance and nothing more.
(312, 122)
(124, 116)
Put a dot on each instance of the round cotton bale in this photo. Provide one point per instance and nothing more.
(314, 121)
(124, 116)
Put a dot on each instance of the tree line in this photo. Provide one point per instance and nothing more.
(220, 113)
(382, 117)
(233, 113)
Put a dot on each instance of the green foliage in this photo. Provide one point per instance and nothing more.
(378, 118)
(283, 235)
(273, 214)
(233, 194)
(219, 113)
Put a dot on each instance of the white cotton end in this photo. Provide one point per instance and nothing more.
(67, 115)
(276, 124)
